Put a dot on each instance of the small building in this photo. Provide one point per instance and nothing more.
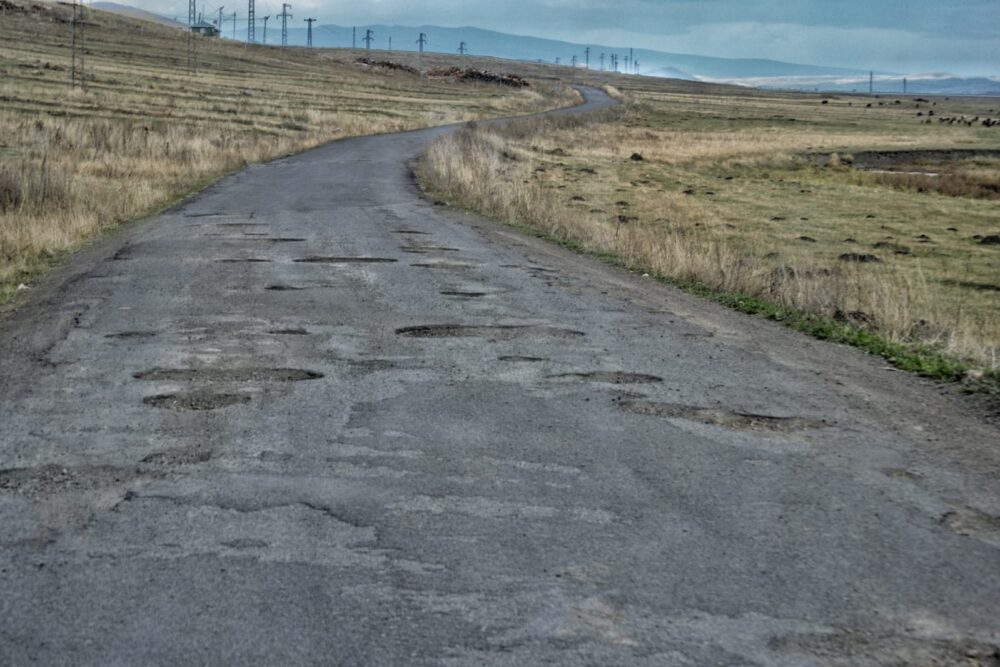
(205, 29)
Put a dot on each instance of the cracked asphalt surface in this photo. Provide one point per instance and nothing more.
(310, 418)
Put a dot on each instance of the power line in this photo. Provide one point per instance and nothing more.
(78, 67)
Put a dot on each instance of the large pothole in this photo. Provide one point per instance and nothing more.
(346, 260)
(196, 401)
(739, 421)
(607, 377)
(494, 332)
(249, 374)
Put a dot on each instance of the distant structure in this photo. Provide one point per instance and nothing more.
(422, 41)
(602, 62)
(264, 36)
(284, 16)
(234, 25)
(871, 83)
(368, 38)
(309, 32)
(192, 12)
(558, 60)
(904, 85)
(205, 29)
(574, 61)
(251, 22)
(463, 49)
(390, 43)
(354, 38)
(586, 53)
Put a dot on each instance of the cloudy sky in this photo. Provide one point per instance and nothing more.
(960, 36)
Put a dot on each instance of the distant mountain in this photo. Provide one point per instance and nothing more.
(136, 13)
(670, 73)
(517, 47)
(919, 84)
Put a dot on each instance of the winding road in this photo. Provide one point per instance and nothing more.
(310, 418)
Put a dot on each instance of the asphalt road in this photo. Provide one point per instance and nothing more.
(311, 418)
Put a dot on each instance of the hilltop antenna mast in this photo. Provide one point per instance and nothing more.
(264, 36)
(77, 68)
(251, 22)
(462, 49)
(309, 32)
(284, 15)
(369, 37)
(586, 53)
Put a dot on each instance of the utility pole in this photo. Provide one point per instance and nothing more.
(369, 36)
(251, 22)
(558, 60)
(77, 69)
(284, 15)
(421, 41)
(586, 53)
(354, 38)
(220, 20)
(636, 63)
(264, 40)
(574, 61)
(390, 43)
(871, 83)
(309, 32)
(234, 25)
(462, 49)
(602, 62)
(631, 60)
(904, 85)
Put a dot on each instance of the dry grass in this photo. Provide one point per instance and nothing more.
(725, 198)
(73, 163)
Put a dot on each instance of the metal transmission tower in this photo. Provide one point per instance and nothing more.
(220, 21)
(354, 38)
(77, 72)
(871, 83)
(368, 39)
(309, 32)
(390, 43)
(264, 36)
(251, 22)
(422, 42)
(284, 16)
(631, 61)
(192, 12)
(558, 60)
(586, 53)
(602, 62)
(463, 49)
(574, 61)
(635, 64)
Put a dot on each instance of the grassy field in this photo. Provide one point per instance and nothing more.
(145, 131)
(757, 199)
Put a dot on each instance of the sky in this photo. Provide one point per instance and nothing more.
(904, 36)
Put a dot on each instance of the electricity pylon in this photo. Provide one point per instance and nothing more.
(463, 49)
(586, 53)
(368, 39)
(264, 36)
(309, 32)
(284, 16)
(251, 22)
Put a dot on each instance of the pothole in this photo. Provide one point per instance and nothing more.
(494, 332)
(243, 260)
(464, 294)
(131, 334)
(179, 457)
(289, 332)
(51, 478)
(423, 250)
(456, 266)
(346, 260)
(739, 421)
(196, 401)
(608, 377)
(227, 375)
